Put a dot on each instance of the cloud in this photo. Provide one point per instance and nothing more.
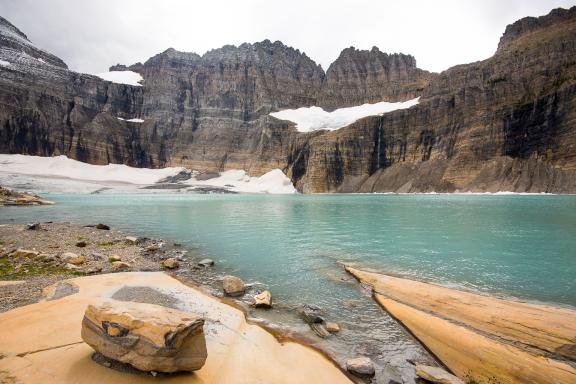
(92, 35)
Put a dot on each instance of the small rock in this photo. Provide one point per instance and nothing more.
(81, 244)
(153, 248)
(262, 300)
(72, 258)
(319, 329)
(332, 327)
(233, 286)
(146, 336)
(154, 373)
(361, 367)
(107, 364)
(133, 240)
(170, 263)
(311, 314)
(120, 265)
(114, 258)
(436, 375)
(71, 267)
(206, 263)
(102, 226)
(34, 227)
(93, 270)
(21, 252)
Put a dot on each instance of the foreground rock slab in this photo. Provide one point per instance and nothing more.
(41, 342)
(146, 336)
(436, 375)
(482, 337)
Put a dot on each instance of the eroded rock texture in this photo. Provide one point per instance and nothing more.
(505, 123)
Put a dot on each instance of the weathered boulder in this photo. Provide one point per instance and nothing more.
(262, 300)
(436, 375)
(170, 263)
(233, 286)
(332, 327)
(21, 252)
(206, 263)
(81, 244)
(120, 265)
(34, 227)
(146, 336)
(72, 258)
(361, 367)
(102, 226)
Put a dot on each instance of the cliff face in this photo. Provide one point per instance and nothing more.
(506, 123)
(359, 77)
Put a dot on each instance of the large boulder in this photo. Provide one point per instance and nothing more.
(436, 375)
(146, 336)
(233, 286)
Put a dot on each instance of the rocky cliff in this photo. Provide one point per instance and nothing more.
(505, 123)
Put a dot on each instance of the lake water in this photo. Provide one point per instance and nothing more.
(508, 245)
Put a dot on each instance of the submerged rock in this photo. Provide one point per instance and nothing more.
(146, 336)
(233, 286)
(361, 367)
(311, 314)
(436, 375)
(102, 226)
(262, 300)
(332, 327)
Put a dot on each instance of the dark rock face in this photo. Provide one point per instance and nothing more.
(505, 123)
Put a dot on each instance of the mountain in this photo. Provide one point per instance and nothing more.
(505, 123)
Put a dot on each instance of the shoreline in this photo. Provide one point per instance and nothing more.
(44, 282)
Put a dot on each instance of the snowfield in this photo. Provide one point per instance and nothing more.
(122, 77)
(61, 174)
(4, 63)
(131, 120)
(310, 119)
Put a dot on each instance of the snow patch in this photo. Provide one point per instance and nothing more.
(122, 77)
(310, 119)
(4, 63)
(61, 174)
(131, 120)
(40, 60)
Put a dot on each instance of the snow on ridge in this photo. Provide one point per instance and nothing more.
(310, 119)
(61, 174)
(122, 77)
(131, 120)
(4, 63)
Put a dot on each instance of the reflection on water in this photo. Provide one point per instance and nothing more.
(521, 246)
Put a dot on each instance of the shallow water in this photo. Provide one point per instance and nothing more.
(520, 246)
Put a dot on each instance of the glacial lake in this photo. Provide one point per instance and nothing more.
(521, 246)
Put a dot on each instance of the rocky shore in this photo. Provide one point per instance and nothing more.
(9, 197)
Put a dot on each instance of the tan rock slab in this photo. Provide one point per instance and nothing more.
(170, 263)
(47, 336)
(479, 336)
(120, 265)
(21, 252)
(146, 336)
(436, 375)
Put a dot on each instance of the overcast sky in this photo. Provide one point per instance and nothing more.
(92, 35)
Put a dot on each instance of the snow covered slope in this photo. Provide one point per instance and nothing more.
(122, 77)
(61, 174)
(310, 119)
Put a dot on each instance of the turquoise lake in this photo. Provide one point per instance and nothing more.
(521, 246)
